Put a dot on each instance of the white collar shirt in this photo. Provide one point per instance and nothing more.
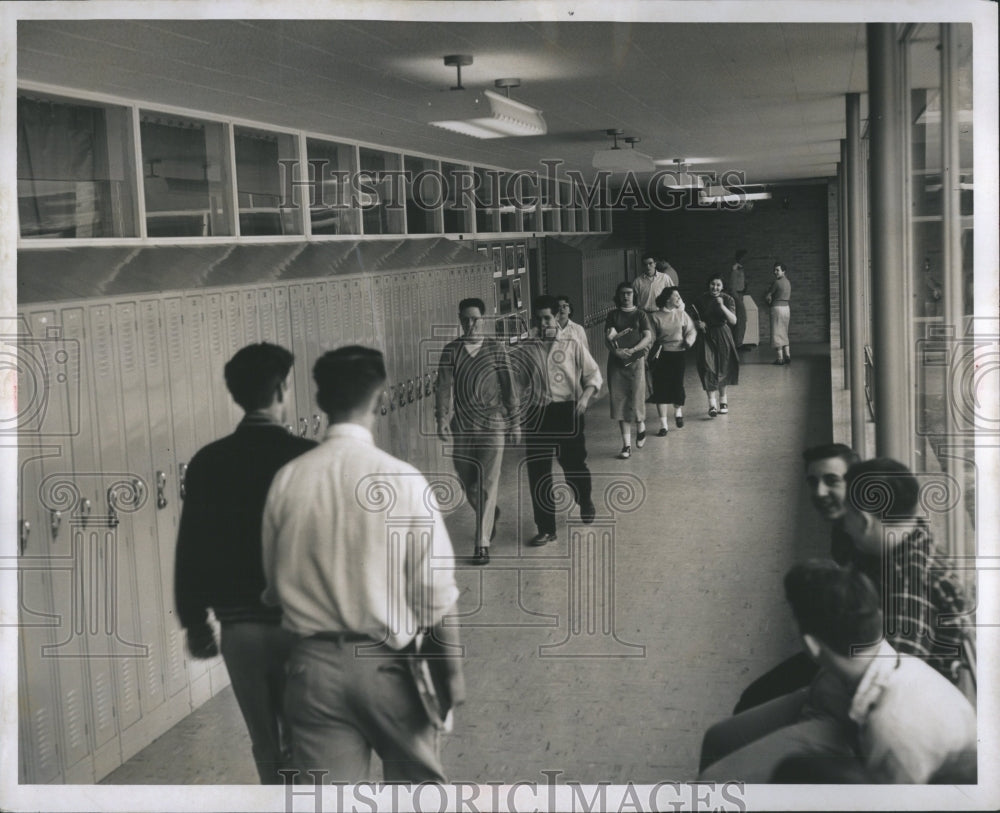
(353, 541)
(910, 719)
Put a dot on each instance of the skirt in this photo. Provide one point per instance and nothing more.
(718, 361)
(779, 325)
(668, 378)
(627, 390)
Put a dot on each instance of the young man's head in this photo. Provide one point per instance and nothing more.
(256, 377)
(470, 315)
(624, 295)
(547, 315)
(826, 468)
(838, 610)
(348, 383)
(880, 493)
(648, 265)
(565, 309)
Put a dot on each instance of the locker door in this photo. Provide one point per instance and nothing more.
(367, 312)
(55, 495)
(296, 310)
(180, 344)
(265, 315)
(335, 298)
(216, 333)
(200, 372)
(310, 308)
(101, 680)
(110, 437)
(233, 307)
(283, 336)
(379, 304)
(141, 423)
(251, 323)
(39, 702)
(323, 338)
(407, 345)
(163, 510)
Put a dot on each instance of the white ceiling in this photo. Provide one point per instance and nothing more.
(764, 98)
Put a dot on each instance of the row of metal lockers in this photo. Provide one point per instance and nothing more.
(116, 393)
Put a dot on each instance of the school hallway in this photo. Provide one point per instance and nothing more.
(605, 655)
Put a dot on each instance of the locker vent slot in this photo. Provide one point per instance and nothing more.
(150, 337)
(44, 740)
(74, 719)
(103, 710)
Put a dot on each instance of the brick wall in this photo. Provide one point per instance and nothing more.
(792, 227)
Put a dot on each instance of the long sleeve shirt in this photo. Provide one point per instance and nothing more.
(353, 541)
(477, 391)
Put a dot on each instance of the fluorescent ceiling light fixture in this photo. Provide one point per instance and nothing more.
(622, 160)
(507, 117)
(680, 178)
(724, 194)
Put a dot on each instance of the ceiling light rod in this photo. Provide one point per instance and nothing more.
(507, 84)
(457, 61)
(615, 132)
(633, 140)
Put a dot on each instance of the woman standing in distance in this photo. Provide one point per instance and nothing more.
(718, 361)
(777, 297)
(674, 333)
(627, 335)
(738, 287)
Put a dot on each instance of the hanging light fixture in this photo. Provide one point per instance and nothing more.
(489, 115)
(617, 159)
(734, 194)
(680, 178)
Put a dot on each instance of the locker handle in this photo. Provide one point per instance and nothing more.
(402, 395)
(139, 486)
(55, 522)
(427, 384)
(85, 508)
(409, 391)
(289, 428)
(317, 424)
(25, 533)
(303, 427)
(392, 398)
(112, 512)
(182, 471)
(382, 402)
(161, 487)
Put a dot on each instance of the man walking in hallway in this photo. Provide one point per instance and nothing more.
(475, 406)
(561, 378)
(218, 563)
(356, 552)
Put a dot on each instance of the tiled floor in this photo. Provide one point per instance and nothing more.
(694, 557)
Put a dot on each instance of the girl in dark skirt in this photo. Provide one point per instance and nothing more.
(714, 313)
(674, 332)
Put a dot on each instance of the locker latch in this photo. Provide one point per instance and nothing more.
(55, 520)
(182, 471)
(392, 398)
(409, 391)
(161, 487)
(317, 424)
(402, 395)
(303, 427)
(25, 533)
(382, 401)
(427, 384)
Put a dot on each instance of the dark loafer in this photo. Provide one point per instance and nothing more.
(541, 539)
(482, 556)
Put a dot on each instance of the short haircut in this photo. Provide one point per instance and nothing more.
(546, 301)
(883, 486)
(838, 606)
(255, 372)
(665, 294)
(472, 302)
(346, 378)
(662, 265)
(740, 254)
(708, 280)
(782, 266)
(648, 256)
(622, 286)
(828, 450)
(567, 300)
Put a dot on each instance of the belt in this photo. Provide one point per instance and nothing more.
(342, 635)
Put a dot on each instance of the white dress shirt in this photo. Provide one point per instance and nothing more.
(353, 541)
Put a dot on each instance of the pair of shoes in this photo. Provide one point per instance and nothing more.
(640, 439)
(662, 433)
(481, 557)
(496, 518)
(625, 453)
(679, 420)
(712, 412)
(723, 409)
(778, 362)
(541, 539)
(587, 512)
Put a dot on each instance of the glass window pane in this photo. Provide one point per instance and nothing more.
(185, 177)
(424, 193)
(550, 205)
(456, 208)
(333, 208)
(75, 169)
(264, 166)
(487, 200)
(380, 192)
(528, 197)
(510, 217)
(567, 207)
